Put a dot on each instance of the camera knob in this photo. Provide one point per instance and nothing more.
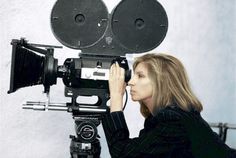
(99, 64)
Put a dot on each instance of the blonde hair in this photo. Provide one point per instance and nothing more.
(170, 82)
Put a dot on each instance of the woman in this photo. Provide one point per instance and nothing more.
(173, 125)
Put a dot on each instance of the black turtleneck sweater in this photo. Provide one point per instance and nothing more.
(171, 133)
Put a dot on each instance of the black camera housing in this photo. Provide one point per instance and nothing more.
(134, 26)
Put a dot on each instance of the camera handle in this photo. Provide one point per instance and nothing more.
(45, 106)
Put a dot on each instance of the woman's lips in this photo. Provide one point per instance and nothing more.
(132, 92)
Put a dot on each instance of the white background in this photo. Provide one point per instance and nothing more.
(201, 34)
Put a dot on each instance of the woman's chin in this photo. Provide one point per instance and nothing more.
(134, 99)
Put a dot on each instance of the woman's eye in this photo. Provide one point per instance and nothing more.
(140, 76)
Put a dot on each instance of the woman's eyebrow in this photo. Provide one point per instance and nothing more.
(139, 72)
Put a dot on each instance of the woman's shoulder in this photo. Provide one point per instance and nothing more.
(166, 121)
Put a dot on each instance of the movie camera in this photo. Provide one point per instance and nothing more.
(134, 26)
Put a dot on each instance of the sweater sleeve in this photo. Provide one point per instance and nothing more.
(159, 141)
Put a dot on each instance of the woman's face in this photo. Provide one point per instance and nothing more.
(141, 88)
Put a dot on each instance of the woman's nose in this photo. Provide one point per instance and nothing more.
(131, 82)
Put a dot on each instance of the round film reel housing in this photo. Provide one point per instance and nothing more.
(139, 25)
(79, 23)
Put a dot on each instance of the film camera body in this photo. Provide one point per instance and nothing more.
(134, 26)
